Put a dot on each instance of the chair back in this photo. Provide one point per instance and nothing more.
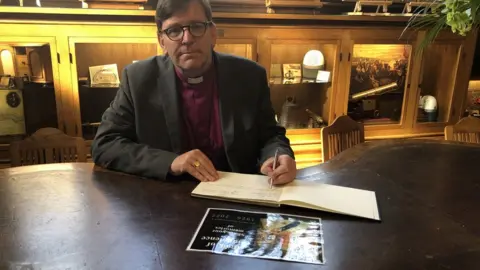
(47, 145)
(342, 134)
(465, 130)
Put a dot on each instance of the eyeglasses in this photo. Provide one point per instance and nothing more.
(196, 29)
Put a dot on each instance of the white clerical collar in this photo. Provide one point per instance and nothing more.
(195, 80)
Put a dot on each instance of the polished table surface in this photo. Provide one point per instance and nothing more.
(77, 216)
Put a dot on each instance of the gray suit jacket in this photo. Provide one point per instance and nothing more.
(140, 131)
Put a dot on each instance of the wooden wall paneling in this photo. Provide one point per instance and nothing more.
(238, 30)
(246, 48)
(239, 40)
(245, 6)
(381, 33)
(295, 6)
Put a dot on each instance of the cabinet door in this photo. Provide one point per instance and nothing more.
(96, 67)
(30, 92)
(296, 95)
(237, 40)
(246, 48)
(443, 82)
(378, 80)
(437, 83)
(301, 103)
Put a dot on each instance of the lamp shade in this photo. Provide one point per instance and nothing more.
(313, 61)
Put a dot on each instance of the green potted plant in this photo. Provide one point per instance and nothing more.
(459, 16)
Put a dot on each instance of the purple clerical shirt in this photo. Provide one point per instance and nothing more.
(201, 119)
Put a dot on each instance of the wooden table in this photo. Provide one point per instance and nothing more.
(75, 216)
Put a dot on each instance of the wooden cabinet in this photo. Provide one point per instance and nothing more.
(377, 72)
(91, 96)
(35, 99)
(294, 100)
(360, 59)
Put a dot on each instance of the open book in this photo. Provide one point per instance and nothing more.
(255, 189)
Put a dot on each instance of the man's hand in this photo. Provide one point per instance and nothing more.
(285, 171)
(196, 164)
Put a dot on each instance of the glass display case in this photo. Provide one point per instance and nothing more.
(378, 81)
(28, 94)
(437, 82)
(300, 82)
(97, 65)
(369, 71)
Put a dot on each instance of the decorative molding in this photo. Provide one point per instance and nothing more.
(294, 3)
(274, 5)
(238, 6)
(237, 3)
(114, 4)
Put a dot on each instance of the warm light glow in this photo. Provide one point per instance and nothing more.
(7, 63)
(314, 59)
(473, 85)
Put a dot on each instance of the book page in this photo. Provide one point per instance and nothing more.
(237, 186)
(337, 199)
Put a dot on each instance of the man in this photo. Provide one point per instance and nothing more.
(192, 111)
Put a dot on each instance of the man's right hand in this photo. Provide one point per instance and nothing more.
(196, 164)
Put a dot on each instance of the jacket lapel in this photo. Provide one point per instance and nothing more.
(169, 98)
(226, 100)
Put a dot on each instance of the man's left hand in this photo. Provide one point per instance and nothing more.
(285, 171)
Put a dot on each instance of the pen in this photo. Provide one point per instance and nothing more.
(274, 166)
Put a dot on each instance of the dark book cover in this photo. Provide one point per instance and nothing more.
(260, 235)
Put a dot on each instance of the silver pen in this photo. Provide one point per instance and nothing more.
(274, 166)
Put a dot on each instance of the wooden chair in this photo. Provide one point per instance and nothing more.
(465, 130)
(47, 145)
(342, 134)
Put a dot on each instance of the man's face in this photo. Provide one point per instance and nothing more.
(192, 49)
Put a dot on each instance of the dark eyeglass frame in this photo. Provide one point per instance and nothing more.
(180, 37)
